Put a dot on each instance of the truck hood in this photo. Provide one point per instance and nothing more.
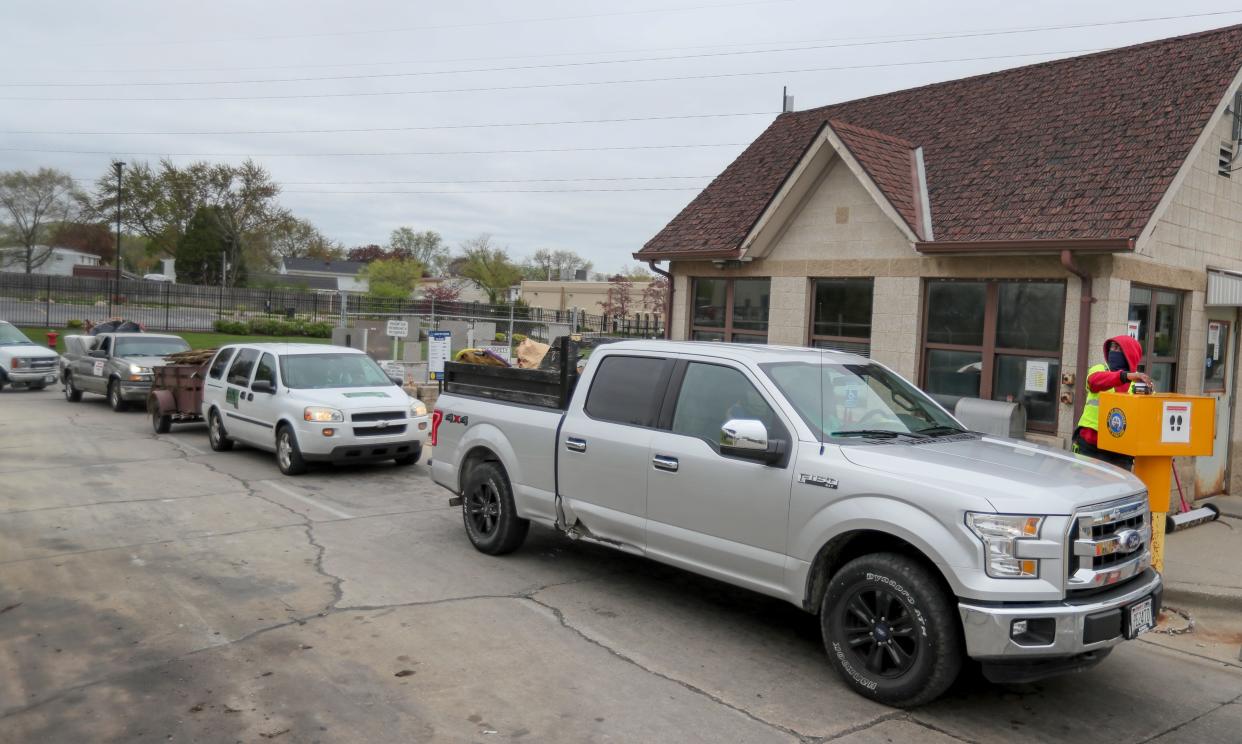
(143, 361)
(26, 351)
(1014, 476)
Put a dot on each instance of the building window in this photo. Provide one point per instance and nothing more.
(1155, 320)
(734, 310)
(841, 315)
(997, 339)
(1217, 360)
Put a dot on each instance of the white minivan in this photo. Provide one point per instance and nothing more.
(308, 403)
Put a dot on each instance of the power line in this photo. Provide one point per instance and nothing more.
(402, 129)
(888, 39)
(590, 179)
(502, 191)
(560, 65)
(447, 26)
(574, 84)
(368, 154)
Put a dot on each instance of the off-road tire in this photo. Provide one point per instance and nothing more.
(923, 652)
(217, 436)
(161, 423)
(115, 401)
(410, 459)
(72, 394)
(288, 455)
(487, 509)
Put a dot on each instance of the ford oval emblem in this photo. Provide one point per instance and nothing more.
(1129, 541)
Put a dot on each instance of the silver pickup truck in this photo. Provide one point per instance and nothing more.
(116, 365)
(821, 478)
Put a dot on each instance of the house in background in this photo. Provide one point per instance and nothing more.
(345, 273)
(587, 296)
(53, 261)
(984, 236)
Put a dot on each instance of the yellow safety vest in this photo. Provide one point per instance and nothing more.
(1091, 409)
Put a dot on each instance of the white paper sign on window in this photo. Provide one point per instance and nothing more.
(1132, 329)
(1175, 422)
(1214, 340)
(1036, 376)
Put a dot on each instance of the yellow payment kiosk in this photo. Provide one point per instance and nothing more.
(1153, 429)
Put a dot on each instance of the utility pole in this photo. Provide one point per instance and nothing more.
(117, 291)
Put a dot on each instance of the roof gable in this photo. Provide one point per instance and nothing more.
(1079, 148)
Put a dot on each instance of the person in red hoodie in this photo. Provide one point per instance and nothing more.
(1118, 374)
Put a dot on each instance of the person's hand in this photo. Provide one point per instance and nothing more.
(1139, 376)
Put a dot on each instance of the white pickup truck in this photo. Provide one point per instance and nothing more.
(821, 478)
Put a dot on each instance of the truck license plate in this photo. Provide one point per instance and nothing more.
(1141, 620)
(50, 379)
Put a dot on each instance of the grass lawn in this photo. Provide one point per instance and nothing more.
(194, 339)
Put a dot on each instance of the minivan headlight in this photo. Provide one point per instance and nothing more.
(323, 415)
(1000, 534)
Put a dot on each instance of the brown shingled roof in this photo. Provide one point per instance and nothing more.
(1079, 148)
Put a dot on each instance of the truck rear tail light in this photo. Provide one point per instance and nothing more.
(436, 417)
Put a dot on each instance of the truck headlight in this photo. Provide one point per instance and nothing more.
(134, 369)
(18, 363)
(323, 415)
(1000, 534)
(417, 408)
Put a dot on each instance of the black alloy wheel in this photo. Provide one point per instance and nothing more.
(880, 631)
(483, 508)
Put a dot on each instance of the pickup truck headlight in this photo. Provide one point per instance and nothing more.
(134, 369)
(417, 408)
(323, 415)
(1000, 534)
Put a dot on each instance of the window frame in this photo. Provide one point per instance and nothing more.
(275, 367)
(228, 376)
(1149, 342)
(727, 329)
(989, 350)
(658, 399)
(812, 337)
(230, 351)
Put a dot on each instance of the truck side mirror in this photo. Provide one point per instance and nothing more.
(99, 354)
(748, 439)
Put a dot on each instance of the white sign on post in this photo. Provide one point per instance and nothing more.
(1036, 376)
(437, 352)
(1175, 422)
(398, 328)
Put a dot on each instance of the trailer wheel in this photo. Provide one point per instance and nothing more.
(491, 519)
(891, 631)
(160, 422)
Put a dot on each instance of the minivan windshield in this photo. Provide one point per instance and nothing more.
(332, 371)
(140, 346)
(843, 401)
(9, 335)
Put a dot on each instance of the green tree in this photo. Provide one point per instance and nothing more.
(35, 202)
(392, 278)
(547, 264)
(488, 267)
(426, 247)
(291, 237)
(206, 254)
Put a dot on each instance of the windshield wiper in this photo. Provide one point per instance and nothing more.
(876, 434)
(933, 431)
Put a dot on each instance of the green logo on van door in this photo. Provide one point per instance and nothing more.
(230, 396)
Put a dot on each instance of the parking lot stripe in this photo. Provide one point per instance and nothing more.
(294, 495)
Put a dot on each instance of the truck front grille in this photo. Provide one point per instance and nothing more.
(1109, 543)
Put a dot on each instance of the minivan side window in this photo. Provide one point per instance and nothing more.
(239, 373)
(627, 390)
(711, 395)
(266, 370)
(220, 363)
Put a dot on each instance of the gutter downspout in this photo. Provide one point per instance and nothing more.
(668, 299)
(1084, 332)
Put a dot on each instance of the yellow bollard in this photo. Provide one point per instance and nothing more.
(1157, 540)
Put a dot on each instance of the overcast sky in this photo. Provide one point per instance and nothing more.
(427, 69)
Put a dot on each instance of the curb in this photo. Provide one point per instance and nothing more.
(1179, 594)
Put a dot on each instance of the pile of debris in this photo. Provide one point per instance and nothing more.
(194, 356)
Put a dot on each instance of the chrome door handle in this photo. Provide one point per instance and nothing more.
(574, 444)
(666, 463)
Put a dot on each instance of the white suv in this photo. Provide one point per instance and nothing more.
(310, 402)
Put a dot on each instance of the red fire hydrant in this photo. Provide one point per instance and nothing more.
(51, 339)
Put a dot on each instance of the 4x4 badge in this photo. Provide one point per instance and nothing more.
(817, 480)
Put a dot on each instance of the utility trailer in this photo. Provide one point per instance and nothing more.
(176, 395)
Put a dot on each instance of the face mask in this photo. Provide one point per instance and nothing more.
(1117, 361)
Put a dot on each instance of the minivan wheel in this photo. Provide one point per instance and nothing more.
(72, 394)
(491, 519)
(288, 456)
(890, 630)
(216, 435)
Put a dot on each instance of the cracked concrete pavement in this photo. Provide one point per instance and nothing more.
(151, 590)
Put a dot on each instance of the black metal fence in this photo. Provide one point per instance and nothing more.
(62, 301)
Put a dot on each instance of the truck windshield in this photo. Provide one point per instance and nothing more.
(332, 371)
(844, 401)
(140, 346)
(9, 336)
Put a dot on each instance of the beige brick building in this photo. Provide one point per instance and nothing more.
(953, 231)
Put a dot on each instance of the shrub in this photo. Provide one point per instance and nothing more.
(73, 324)
(501, 337)
(519, 338)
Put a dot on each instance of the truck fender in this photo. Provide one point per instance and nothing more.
(942, 546)
(491, 438)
